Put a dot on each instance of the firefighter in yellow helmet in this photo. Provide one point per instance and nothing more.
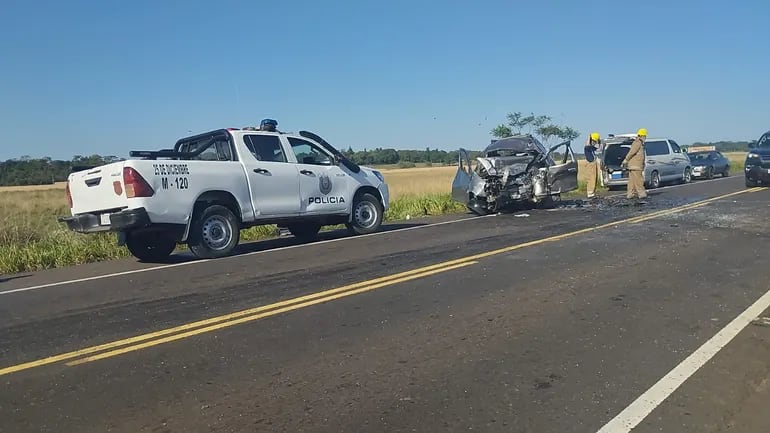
(634, 162)
(592, 146)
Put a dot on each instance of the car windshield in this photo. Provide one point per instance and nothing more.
(764, 141)
(699, 156)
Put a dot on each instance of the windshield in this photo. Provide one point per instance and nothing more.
(764, 141)
(698, 156)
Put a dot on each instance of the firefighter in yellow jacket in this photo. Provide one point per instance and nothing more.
(592, 163)
(634, 163)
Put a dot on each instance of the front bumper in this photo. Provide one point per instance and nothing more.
(117, 221)
(756, 173)
(698, 173)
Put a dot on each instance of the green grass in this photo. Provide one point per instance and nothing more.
(31, 238)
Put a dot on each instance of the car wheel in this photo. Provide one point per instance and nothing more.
(149, 246)
(305, 232)
(367, 215)
(654, 180)
(726, 172)
(214, 233)
(687, 178)
(750, 183)
(710, 173)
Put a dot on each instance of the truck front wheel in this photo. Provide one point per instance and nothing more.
(214, 232)
(367, 214)
(149, 246)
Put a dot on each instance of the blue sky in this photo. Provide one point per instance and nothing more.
(106, 77)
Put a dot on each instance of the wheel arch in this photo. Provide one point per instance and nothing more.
(209, 198)
(363, 190)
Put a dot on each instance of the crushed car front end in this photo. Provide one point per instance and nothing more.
(511, 171)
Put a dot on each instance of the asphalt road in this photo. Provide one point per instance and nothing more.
(551, 320)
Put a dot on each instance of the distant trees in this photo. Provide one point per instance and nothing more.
(26, 170)
(29, 171)
(540, 126)
(727, 146)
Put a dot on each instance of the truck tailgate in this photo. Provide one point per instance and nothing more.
(98, 189)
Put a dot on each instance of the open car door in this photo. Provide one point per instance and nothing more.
(462, 181)
(563, 175)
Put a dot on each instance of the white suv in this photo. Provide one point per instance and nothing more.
(664, 161)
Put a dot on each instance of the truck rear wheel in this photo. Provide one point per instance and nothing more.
(367, 214)
(305, 232)
(149, 246)
(214, 232)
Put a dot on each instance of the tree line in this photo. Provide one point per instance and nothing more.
(29, 171)
(726, 146)
(43, 171)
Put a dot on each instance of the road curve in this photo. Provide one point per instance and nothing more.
(539, 320)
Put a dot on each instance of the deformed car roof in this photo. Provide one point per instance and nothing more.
(516, 143)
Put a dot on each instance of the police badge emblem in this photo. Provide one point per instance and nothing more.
(325, 184)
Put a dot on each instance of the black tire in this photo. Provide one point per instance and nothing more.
(750, 184)
(367, 214)
(654, 180)
(149, 246)
(726, 172)
(710, 173)
(687, 178)
(305, 232)
(214, 232)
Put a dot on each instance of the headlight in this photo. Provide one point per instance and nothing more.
(752, 155)
(379, 175)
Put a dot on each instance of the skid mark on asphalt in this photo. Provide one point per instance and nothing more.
(139, 342)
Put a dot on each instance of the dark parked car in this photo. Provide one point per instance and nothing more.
(758, 161)
(706, 164)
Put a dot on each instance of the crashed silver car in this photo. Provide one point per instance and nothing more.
(513, 171)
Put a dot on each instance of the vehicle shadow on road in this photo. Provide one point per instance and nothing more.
(249, 247)
(15, 277)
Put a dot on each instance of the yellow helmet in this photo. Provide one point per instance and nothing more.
(595, 136)
(642, 132)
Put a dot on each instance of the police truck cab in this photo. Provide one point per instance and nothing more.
(212, 185)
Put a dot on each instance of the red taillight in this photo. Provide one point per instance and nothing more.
(69, 194)
(135, 184)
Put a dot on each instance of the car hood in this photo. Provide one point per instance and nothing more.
(764, 152)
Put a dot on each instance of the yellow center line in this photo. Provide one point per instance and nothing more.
(205, 322)
(262, 315)
(219, 322)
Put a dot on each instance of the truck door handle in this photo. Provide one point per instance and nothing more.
(308, 172)
(260, 170)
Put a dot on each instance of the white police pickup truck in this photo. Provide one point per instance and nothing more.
(210, 186)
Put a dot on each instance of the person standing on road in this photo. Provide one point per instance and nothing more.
(634, 163)
(592, 166)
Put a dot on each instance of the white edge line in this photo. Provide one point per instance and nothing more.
(175, 265)
(632, 415)
(192, 262)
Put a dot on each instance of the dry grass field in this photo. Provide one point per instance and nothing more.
(31, 238)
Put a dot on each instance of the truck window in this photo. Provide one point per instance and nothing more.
(265, 147)
(217, 151)
(653, 148)
(308, 153)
